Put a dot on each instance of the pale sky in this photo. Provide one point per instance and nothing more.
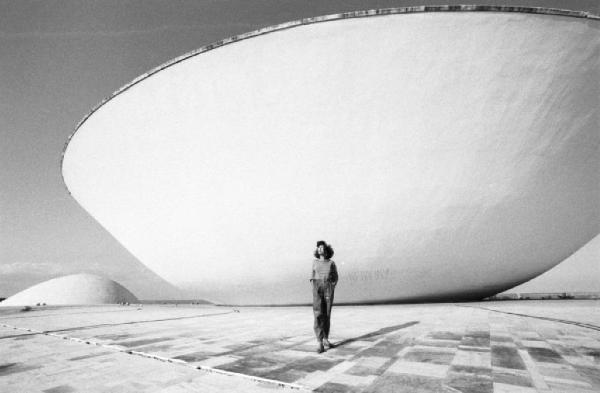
(59, 59)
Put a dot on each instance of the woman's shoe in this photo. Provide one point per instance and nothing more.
(327, 344)
(320, 348)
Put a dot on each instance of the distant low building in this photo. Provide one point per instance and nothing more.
(545, 296)
(73, 290)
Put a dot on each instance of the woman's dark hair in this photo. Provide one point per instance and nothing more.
(328, 250)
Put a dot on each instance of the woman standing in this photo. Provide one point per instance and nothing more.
(324, 278)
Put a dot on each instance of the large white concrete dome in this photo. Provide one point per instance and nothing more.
(72, 290)
(445, 155)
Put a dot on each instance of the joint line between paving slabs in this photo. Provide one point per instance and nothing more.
(9, 316)
(565, 321)
(130, 322)
(164, 359)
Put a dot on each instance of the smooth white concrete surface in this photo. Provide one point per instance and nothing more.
(72, 289)
(444, 155)
(578, 273)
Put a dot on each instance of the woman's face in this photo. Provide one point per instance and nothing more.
(321, 250)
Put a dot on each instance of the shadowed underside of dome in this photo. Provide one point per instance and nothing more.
(72, 290)
(445, 155)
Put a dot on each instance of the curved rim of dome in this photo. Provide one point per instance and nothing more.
(319, 19)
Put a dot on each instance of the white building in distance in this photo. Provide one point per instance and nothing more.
(74, 289)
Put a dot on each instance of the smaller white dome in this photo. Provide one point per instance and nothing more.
(73, 289)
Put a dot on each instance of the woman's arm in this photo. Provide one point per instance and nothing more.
(333, 273)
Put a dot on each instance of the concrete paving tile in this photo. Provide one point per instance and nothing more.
(428, 355)
(283, 375)
(385, 348)
(15, 368)
(372, 362)
(314, 379)
(60, 389)
(475, 342)
(455, 335)
(568, 383)
(195, 356)
(536, 377)
(358, 344)
(363, 371)
(217, 361)
(559, 389)
(418, 368)
(398, 383)
(511, 377)
(565, 371)
(527, 335)
(119, 388)
(341, 367)
(579, 360)
(506, 357)
(175, 389)
(334, 387)
(504, 388)
(251, 365)
(299, 338)
(292, 354)
(591, 374)
(477, 349)
(420, 347)
(155, 349)
(438, 343)
(500, 338)
(309, 365)
(472, 359)
(565, 351)
(593, 353)
(307, 347)
(536, 344)
(353, 380)
(546, 355)
(469, 370)
(89, 356)
(476, 339)
(343, 352)
(469, 383)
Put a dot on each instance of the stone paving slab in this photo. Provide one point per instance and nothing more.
(527, 346)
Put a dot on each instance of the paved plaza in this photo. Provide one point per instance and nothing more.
(504, 346)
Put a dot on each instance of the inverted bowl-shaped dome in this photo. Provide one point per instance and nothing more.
(445, 155)
(73, 289)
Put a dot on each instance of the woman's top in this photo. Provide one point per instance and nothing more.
(324, 270)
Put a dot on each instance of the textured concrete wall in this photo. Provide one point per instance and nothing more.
(444, 155)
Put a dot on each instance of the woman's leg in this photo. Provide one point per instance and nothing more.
(319, 313)
(328, 305)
